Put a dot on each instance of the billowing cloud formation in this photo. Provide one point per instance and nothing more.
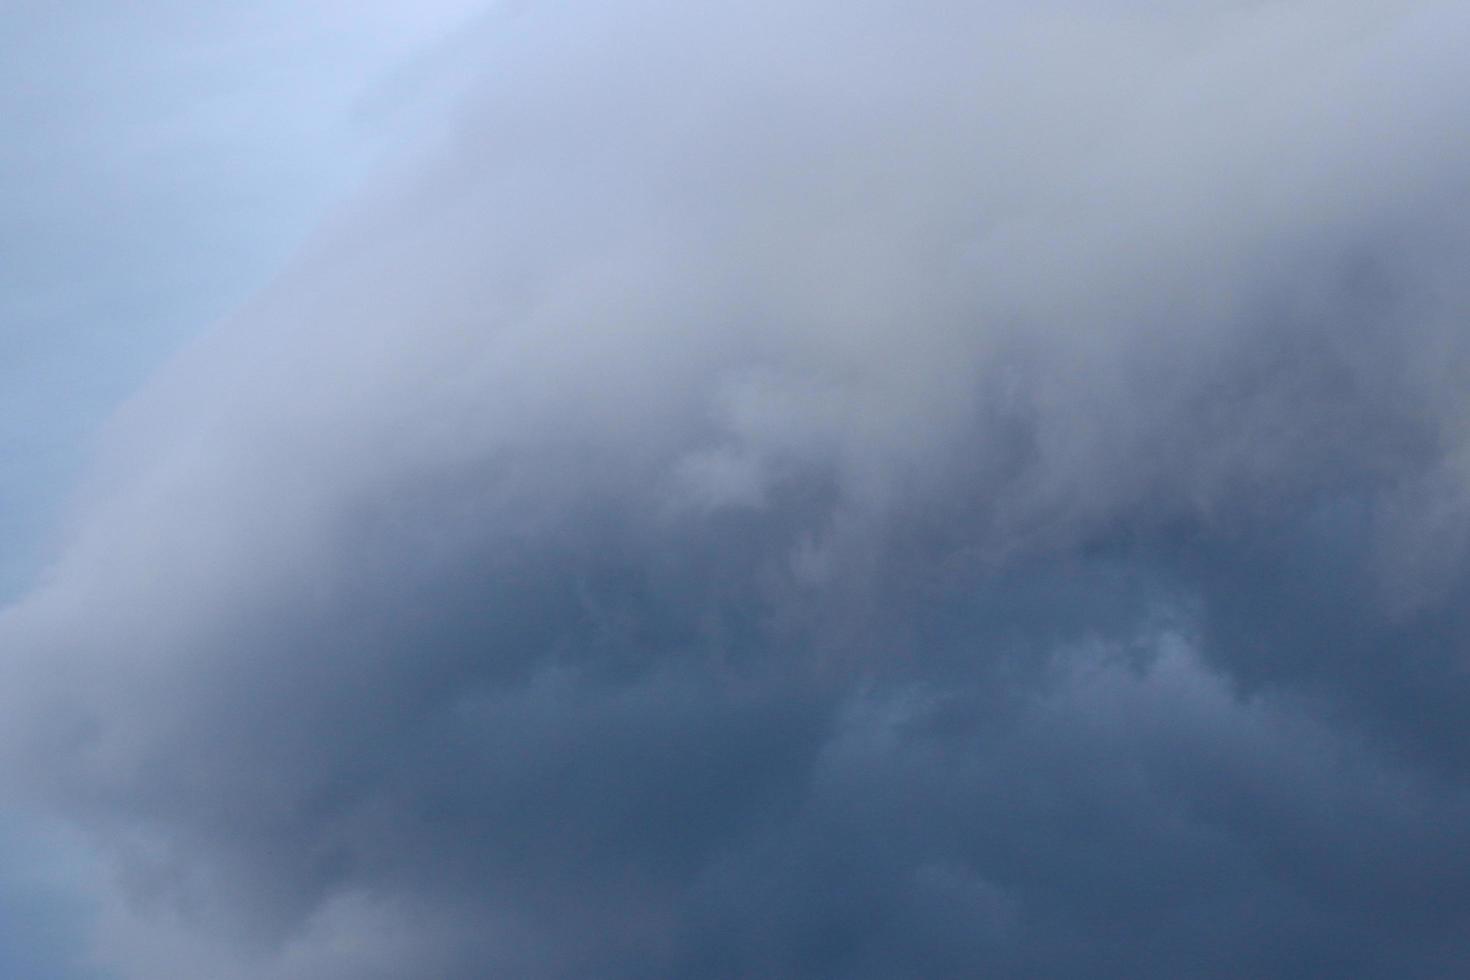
(813, 490)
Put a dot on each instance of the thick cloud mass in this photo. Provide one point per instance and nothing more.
(821, 490)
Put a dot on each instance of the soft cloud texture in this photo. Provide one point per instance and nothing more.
(161, 160)
(819, 490)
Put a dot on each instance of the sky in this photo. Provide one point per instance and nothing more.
(781, 490)
(163, 160)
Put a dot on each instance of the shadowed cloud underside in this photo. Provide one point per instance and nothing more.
(816, 490)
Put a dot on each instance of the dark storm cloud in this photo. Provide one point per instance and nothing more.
(831, 490)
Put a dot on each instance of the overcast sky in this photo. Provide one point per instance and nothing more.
(820, 489)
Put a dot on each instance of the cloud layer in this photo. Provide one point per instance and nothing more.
(822, 490)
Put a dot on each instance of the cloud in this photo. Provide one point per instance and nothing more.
(162, 160)
(817, 490)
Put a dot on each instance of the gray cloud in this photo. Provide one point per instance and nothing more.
(823, 491)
